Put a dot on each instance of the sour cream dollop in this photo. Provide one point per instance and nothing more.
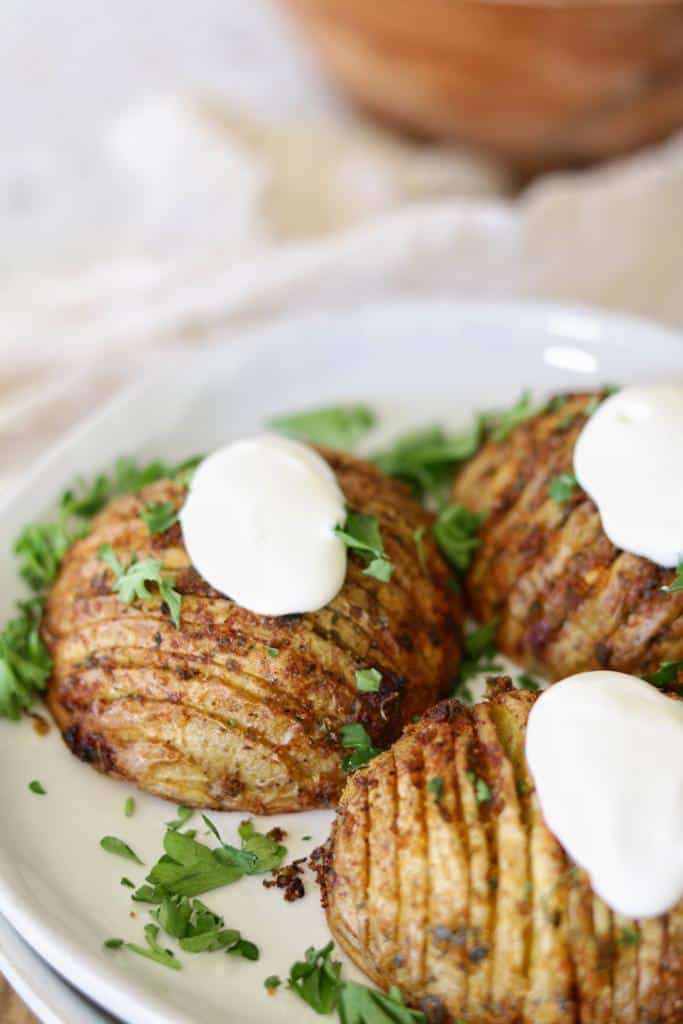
(605, 751)
(258, 525)
(629, 459)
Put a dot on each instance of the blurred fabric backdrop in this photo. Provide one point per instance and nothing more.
(171, 172)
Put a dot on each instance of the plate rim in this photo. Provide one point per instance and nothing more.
(62, 953)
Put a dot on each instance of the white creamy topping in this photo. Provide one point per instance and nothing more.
(629, 459)
(605, 751)
(258, 525)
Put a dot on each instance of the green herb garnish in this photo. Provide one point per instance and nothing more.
(427, 459)
(117, 846)
(355, 738)
(368, 680)
(159, 516)
(666, 674)
(359, 1004)
(677, 583)
(126, 883)
(113, 943)
(153, 950)
(479, 654)
(504, 423)
(562, 487)
(435, 786)
(338, 426)
(37, 787)
(527, 682)
(131, 581)
(25, 664)
(272, 652)
(361, 533)
(272, 982)
(482, 790)
(316, 979)
(455, 531)
(183, 816)
(129, 807)
(628, 937)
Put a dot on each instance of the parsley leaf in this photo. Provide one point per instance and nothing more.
(355, 738)
(505, 422)
(37, 788)
(113, 845)
(562, 487)
(316, 979)
(427, 459)
(482, 790)
(337, 426)
(435, 786)
(527, 682)
(272, 652)
(272, 982)
(165, 957)
(359, 1004)
(479, 654)
(667, 674)
(129, 807)
(159, 516)
(183, 815)
(628, 937)
(455, 531)
(113, 943)
(361, 533)
(268, 852)
(418, 537)
(25, 664)
(677, 583)
(368, 680)
(41, 548)
(131, 581)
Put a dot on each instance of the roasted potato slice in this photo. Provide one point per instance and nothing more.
(441, 877)
(566, 599)
(203, 714)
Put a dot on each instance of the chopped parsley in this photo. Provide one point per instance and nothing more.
(189, 868)
(427, 459)
(667, 674)
(25, 664)
(678, 581)
(183, 816)
(355, 738)
(129, 807)
(272, 982)
(113, 943)
(272, 652)
(37, 788)
(482, 790)
(527, 682)
(562, 487)
(523, 409)
(368, 680)
(361, 533)
(159, 516)
(117, 846)
(479, 656)
(317, 981)
(336, 426)
(131, 581)
(153, 950)
(455, 531)
(628, 937)
(126, 883)
(435, 786)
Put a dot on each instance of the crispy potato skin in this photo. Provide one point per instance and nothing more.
(203, 715)
(567, 599)
(472, 908)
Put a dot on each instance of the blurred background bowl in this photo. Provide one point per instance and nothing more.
(541, 85)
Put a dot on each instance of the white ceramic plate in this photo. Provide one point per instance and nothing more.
(416, 364)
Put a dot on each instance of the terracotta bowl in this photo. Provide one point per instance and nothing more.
(540, 84)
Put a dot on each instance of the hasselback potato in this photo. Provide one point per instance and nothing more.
(565, 598)
(207, 715)
(441, 877)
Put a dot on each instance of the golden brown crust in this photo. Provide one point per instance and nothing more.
(567, 599)
(471, 907)
(203, 715)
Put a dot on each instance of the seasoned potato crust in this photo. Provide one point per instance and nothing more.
(457, 892)
(567, 599)
(204, 715)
